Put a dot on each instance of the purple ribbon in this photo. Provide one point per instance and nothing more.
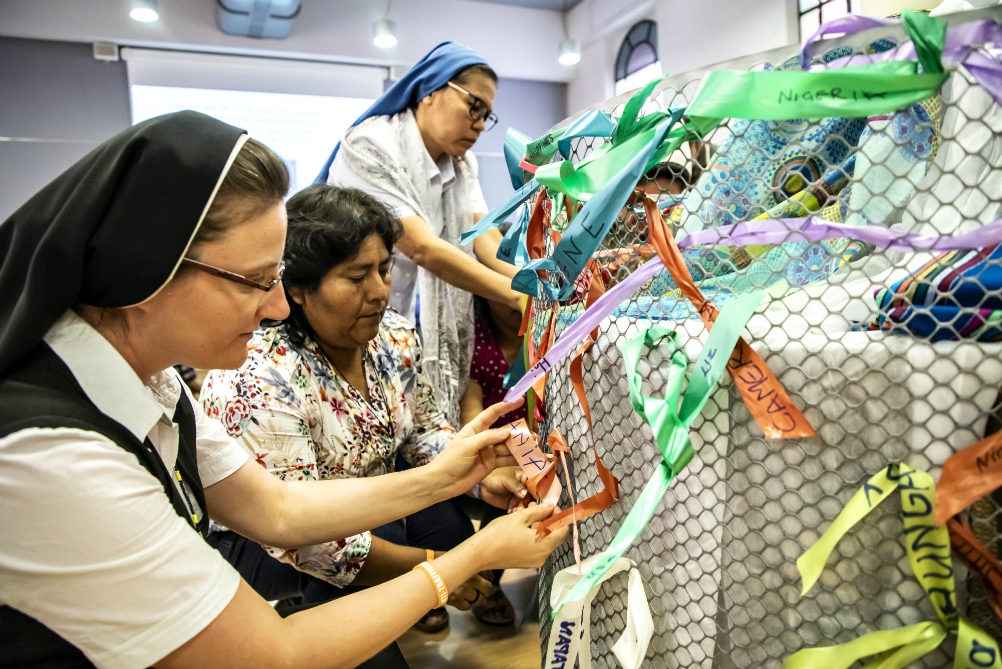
(770, 231)
(961, 42)
(780, 230)
(845, 25)
(588, 321)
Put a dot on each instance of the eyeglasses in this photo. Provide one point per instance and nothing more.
(478, 108)
(234, 277)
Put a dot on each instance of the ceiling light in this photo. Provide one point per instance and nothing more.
(384, 33)
(570, 52)
(144, 11)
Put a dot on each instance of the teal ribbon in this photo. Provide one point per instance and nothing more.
(590, 226)
(592, 124)
(514, 148)
(528, 282)
(512, 248)
(669, 422)
(517, 369)
(500, 214)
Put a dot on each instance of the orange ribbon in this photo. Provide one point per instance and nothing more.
(541, 481)
(538, 467)
(762, 392)
(968, 476)
(978, 558)
(610, 485)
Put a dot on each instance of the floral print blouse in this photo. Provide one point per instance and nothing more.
(302, 421)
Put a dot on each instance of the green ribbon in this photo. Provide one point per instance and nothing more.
(669, 423)
(855, 91)
(928, 35)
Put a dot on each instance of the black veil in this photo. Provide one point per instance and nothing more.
(111, 230)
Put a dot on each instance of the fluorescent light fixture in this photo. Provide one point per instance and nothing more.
(144, 11)
(570, 52)
(384, 34)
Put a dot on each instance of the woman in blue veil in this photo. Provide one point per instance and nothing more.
(411, 150)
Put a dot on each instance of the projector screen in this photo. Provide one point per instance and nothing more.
(302, 129)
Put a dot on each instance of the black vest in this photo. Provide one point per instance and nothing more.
(42, 392)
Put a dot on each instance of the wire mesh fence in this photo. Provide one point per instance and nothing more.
(882, 379)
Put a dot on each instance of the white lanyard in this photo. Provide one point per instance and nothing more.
(570, 636)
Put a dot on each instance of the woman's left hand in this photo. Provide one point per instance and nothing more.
(502, 486)
(473, 453)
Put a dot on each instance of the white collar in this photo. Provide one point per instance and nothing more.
(107, 379)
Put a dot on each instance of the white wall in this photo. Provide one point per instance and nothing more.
(691, 34)
(518, 42)
(712, 32)
(600, 26)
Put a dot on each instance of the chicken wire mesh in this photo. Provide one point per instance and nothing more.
(718, 558)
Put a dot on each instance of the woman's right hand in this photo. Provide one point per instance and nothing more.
(510, 542)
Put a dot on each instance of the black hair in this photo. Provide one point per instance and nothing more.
(327, 227)
(670, 170)
(483, 69)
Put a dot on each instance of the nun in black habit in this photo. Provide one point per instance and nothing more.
(163, 246)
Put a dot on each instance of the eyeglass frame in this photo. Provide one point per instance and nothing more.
(488, 114)
(234, 277)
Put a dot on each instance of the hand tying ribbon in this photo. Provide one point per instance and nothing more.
(538, 467)
(570, 635)
(669, 422)
(928, 548)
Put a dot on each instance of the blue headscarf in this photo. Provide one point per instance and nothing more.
(429, 74)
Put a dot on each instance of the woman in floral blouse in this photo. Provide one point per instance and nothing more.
(337, 390)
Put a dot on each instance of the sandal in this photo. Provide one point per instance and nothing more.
(435, 620)
(496, 610)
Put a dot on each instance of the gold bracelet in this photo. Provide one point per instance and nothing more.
(440, 590)
(430, 554)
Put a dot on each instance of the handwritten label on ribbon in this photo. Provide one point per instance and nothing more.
(761, 391)
(538, 467)
(968, 476)
(570, 635)
(854, 91)
(928, 549)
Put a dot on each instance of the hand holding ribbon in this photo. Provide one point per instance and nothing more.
(538, 467)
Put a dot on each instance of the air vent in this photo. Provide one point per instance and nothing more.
(257, 18)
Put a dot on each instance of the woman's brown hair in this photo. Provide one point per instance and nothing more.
(257, 180)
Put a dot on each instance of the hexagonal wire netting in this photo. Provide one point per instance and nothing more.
(718, 558)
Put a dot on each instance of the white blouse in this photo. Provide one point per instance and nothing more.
(382, 132)
(89, 544)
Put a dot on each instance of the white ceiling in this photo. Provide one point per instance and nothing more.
(552, 5)
(520, 42)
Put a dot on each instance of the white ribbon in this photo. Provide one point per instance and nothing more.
(570, 635)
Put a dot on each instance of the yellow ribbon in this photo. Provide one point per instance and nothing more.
(928, 550)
